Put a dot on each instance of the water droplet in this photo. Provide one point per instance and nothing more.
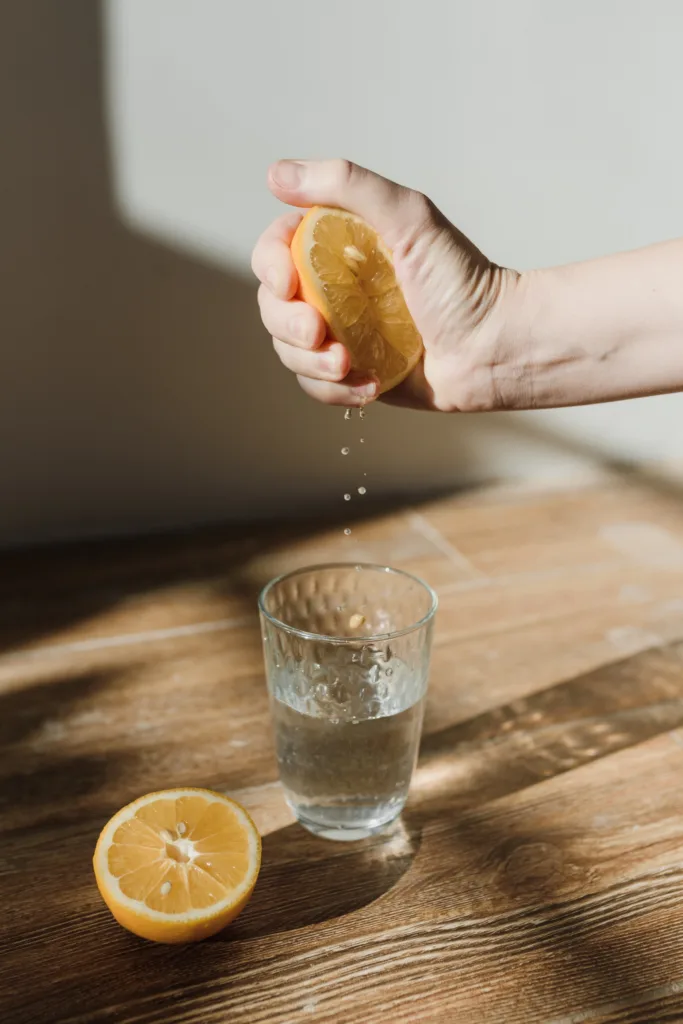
(347, 531)
(347, 497)
(165, 889)
(362, 490)
(345, 451)
(181, 828)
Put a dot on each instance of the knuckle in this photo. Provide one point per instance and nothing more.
(301, 328)
(422, 208)
(419, 224)
(342, 173)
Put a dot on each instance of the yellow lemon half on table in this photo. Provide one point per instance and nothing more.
(178, 865)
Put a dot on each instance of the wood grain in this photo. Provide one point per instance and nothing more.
(537, 873)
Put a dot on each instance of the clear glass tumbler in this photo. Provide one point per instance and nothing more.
(347, 652)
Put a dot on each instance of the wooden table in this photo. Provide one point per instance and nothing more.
(538, 871)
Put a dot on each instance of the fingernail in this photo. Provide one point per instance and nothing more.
(288, 174)
(366, 390)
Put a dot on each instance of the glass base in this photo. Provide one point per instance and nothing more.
(348, 833)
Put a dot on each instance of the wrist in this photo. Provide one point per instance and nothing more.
(543, 363)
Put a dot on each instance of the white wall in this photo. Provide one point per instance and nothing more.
(141, 391)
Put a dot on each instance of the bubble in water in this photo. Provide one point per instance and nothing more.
(362, 490)
(347, 414)
(347, 497)
(347, 531)
(389, 671)
(345, 451)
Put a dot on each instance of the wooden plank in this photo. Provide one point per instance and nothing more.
(537, 873)
(450, 897)
(562, 529)
(81, 592)
(542, 904)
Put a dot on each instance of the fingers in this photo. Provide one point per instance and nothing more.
(330, 363)
(299, 332)
(393, 210)
(294, 322)
(352, 393)
(272, 260)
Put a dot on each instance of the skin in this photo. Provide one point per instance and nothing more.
(494, 338)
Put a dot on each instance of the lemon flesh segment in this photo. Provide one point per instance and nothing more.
(366, 307)
(173, 871)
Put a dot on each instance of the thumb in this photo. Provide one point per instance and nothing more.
(393, 210)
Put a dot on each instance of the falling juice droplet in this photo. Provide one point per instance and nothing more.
(362, 490)
(347, 531)
(345, 451)
(362, 440)
(362, 413)
(347, 414)
(347, 497)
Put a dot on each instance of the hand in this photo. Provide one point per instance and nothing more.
(460, 301)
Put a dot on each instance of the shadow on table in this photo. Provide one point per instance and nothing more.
(43, 775)
(306, 881)
(528, 868)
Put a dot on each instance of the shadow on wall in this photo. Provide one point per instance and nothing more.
(140, 390)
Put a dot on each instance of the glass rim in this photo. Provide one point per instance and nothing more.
(348, 640)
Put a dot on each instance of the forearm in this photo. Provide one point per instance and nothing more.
(597, 331)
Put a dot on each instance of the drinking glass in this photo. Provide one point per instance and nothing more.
(347, 651)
